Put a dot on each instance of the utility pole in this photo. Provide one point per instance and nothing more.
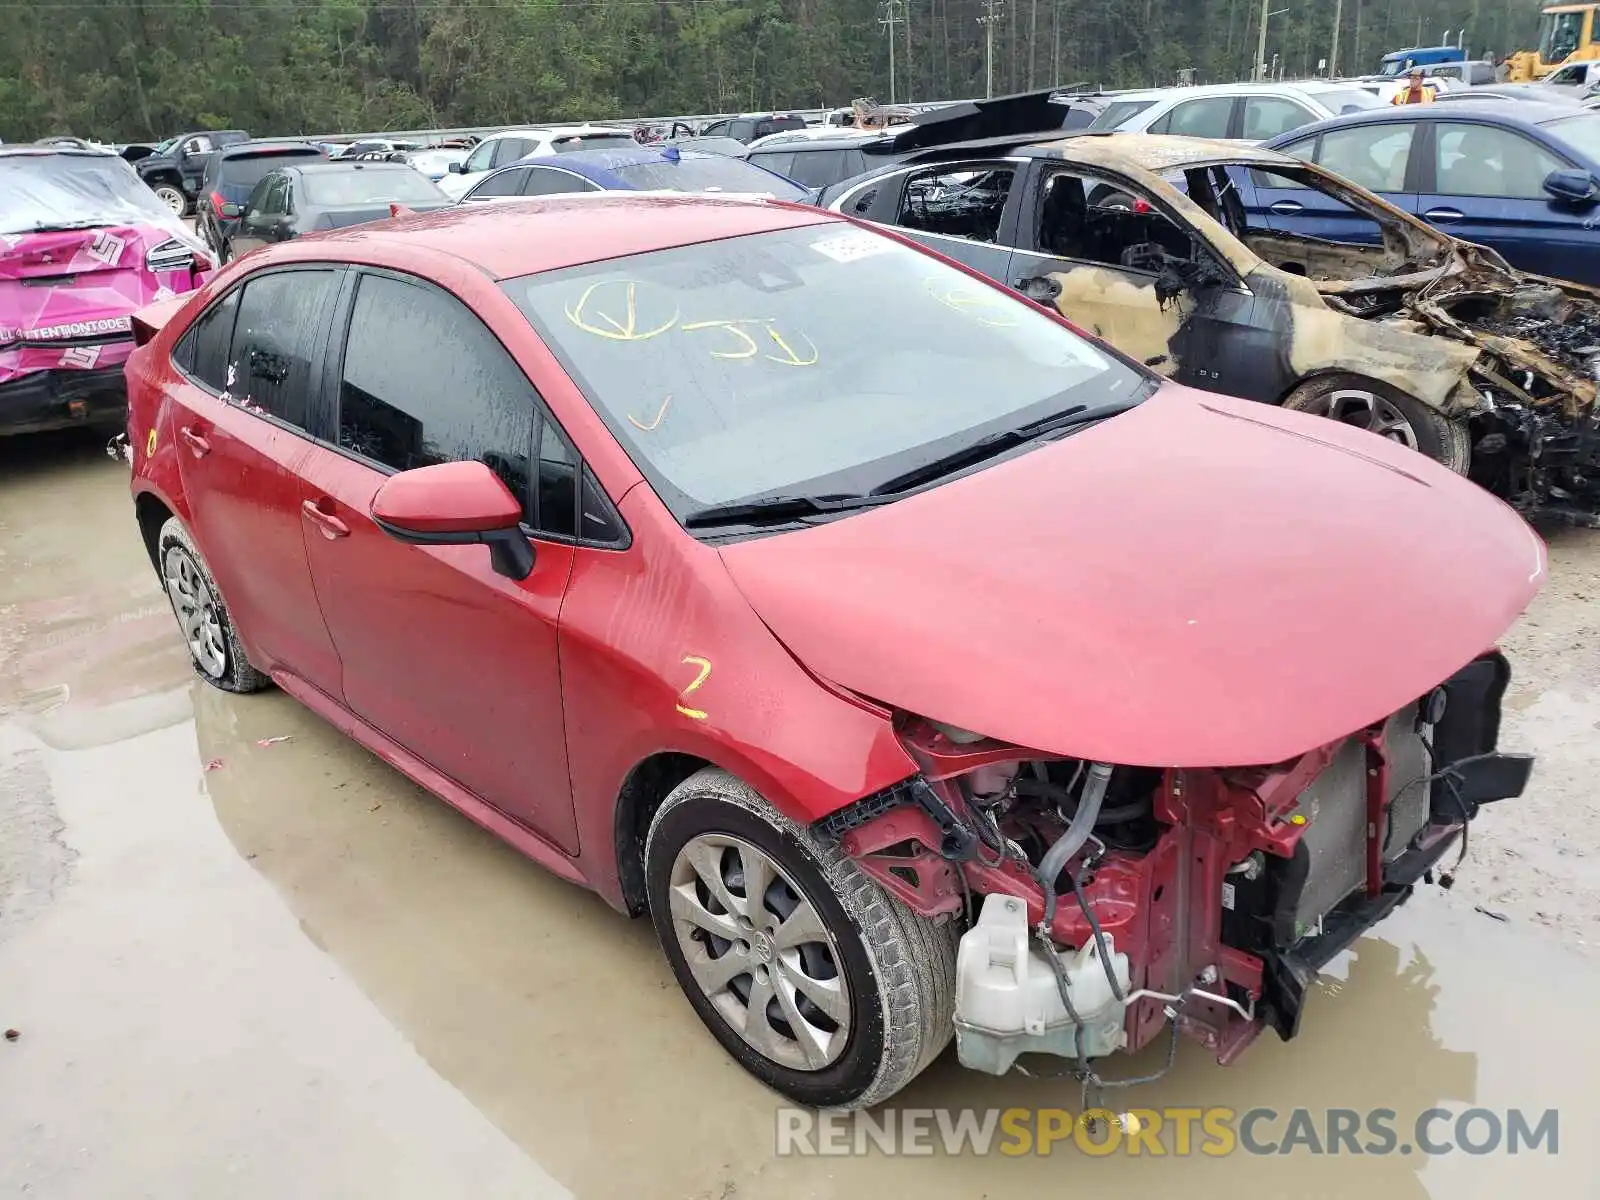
(1055, 54)
(1261, 42)
(1033, 37)
(889, 17)
(991, 13)
(1333, 54)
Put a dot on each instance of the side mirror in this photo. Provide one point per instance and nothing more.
(459, 168)
(231, 210)
(1571, 187)
(456, 504)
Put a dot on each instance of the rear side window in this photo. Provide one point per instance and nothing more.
(269, 365)
(203, 351)
(964, 200)
(1207, 118)
(425, 382)
(1118, 112)
(1268, 116)
(819, 168)
(501, 183)
(780, 164)
(508, 150)
(541, 181)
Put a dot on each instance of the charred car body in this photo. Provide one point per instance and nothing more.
(1400, 329)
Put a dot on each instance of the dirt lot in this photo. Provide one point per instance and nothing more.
(245, 966)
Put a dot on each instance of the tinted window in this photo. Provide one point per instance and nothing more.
(1268, 116)
(480, 158)
(1481, 160)
(1198, 118)
(781, 163)
(203, 351)
(542, 181)
(593, 141)
(242, 174)
(269, 366)
(424, 382)
(1374, 156)
(508, 150)
(819, 168)
(258, 198)
(501, 183)
(556, 505)
(1118, 112)
(964, 200)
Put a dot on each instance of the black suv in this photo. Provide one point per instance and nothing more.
(174, 168)
(230, 177)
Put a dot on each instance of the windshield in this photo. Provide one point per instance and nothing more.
(1559, 34)
(1581, 132)
(1118, 112)
(1342, 100)
(1393, 66)
(359, 187)
(707, 173)
(826, 359)
(78, 191)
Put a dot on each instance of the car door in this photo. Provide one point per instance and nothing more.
(963, 209)
(1141, 279)
(193, 153)
(1485, 183)
(249, 366)
(252, 222)
(1204, 116)
(1378, 156)
(451, 660)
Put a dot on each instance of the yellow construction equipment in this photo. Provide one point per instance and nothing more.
(1567, 32)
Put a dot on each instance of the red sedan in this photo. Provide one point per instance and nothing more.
(840, 609)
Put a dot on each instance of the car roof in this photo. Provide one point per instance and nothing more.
(26, 150)
(1483, 112)
(523, 236)
(810, 139)
(1309, 87)
(265, 146)
(581, 130)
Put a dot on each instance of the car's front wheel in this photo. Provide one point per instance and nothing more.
(1392, 414)
(214, 647)
(172, 197)
(815, 980)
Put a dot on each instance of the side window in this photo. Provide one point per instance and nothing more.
(269, 365)
(1093, 222)
(1482, 160)
(779, 164)
(1265, 117)
(277, 199)
(744, 131)
(1207, 118)
(197, 145)
(510, 149)
(963, 200)
(259, 196)
(861, 203)
(544, 181)
(481, 157)
(816, 168)
(501, 183)
(425, 382)
(556, 502)
(203, 351)
(1374, 156)
(716, 129)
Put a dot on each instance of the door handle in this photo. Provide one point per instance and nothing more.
(330, 525)
(197, 444)
(1443, 215)
(1286, 208)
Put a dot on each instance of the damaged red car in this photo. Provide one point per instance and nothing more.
(923, 668)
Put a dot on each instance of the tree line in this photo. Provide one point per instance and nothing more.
(143, 69)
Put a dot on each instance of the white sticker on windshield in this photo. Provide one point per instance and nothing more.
(848, 247)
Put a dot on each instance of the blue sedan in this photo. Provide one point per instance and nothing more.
(1521, 178)
(641, 169)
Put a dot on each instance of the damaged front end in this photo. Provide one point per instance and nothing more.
(1104, 903)
(1535, 423)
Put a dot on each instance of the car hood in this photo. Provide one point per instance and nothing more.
(1200, 581)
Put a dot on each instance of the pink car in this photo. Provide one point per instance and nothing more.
(83, 244)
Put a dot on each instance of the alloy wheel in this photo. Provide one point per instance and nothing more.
(760, 951)
(196, 608)
(1370, 411)
(172, 198)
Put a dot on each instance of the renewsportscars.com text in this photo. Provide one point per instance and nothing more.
(1213, 1132)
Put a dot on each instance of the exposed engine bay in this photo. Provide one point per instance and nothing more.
(1105, 903)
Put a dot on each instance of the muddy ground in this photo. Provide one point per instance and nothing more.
(248, 967)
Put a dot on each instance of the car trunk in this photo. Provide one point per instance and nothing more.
(342, 218)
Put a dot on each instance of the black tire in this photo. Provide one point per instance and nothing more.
(231, 669)
(898, 967)
(1445, 441)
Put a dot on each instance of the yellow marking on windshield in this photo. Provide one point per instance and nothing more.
(972, 301)
(624, 330)
(790, 358)
(660, 412)
(750, 348)
(694, 660)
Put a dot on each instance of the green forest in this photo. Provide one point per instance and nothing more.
(143, 69)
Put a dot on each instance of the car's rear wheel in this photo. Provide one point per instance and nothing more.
(214, 647)
(172, 197)
(815, 980)
(1387, 412)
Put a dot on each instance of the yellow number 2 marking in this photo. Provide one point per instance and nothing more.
(704, 665)
(150, 445)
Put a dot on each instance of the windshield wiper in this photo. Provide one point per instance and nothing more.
(778, 508)
(985, 447)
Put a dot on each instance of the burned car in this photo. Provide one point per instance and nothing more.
(1391, 326)
(83, 244)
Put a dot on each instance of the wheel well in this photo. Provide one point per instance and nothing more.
(647, 785)
(157, 178)
(152, 515)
